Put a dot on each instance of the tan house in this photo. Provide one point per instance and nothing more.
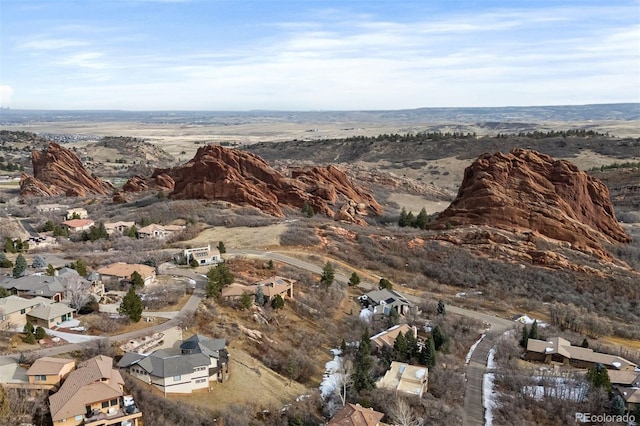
(388, 337)
(79, 213)
(630, 395)
(270, 288)
(159, 231)
(49, 315)
(49, 371)
(13, 310)
(77, 225)
(43, 208)
(356, 415)
(93, 394)
(116, 272)
(559, 350)
(405, 378)
(118, 227)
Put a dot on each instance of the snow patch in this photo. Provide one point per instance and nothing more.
(330, 379)
(491, 364)
(365, 315)
(525, 319)
(488, 398)
(473, 348)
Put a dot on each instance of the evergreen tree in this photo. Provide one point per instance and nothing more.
(411, 220)
(260, 296)
(328, 275)
(400, 348)
(8, 245)
(51, 271)
(4, 293)
(402, 220)
(30, 338)
(525, 337)
(307, 210)
(40, 333)
(585, 343)
(221, 248)
(5, 262)
(277, 302)
(131, 306)
(136, 280)
(598, 376)
(270, 265)
(393, 318)
(20, 267)
(385, 283)
(246, 300)
(421, 219)
(617, 405)
(533, 333)
(413, 350)
(440, 341)
(217, 277)
(354, 280)
(132, 232)
(441, 307)
(28, 327)
(362, 365)
(39, 262)
(428, 354)
(343, 347)
(48, 226)
(81, 267)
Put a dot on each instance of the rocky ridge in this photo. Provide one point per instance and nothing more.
(528, 191)
(218, 173)
(58, 171)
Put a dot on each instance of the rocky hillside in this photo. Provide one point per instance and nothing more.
(218, 173)
(58, 171)
(526, 190)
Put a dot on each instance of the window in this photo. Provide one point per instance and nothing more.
(105, 404)
(201, 380)
(41, 378)
(176, 378)
(114, 402)
(22, 311)
(78, 418)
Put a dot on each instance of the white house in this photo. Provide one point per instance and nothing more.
(202, 255)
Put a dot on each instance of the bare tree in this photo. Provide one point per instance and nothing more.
(343, 379)
(76, 292)
(402, 413)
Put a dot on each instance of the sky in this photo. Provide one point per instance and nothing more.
(235, 55)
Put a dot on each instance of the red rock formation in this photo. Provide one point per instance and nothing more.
(528, 190)
(58, 171)
(218, 173)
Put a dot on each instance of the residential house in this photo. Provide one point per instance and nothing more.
(387, 338)
(559, 350)
(49, 372)
(630, 396)
(117, 272)
(91, 283)
(78, 213)
(197, 363)
(36, 285)
(118, 227)
(13, 311)
(384, 300)
(49, 315)
(93, 394)
(202, 255)
(270, 288)
(44, 208)
(405, 378)
(159, 231)
(356, 415)
(77, 225)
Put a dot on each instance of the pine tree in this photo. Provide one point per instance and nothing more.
(39, 262)
(440, 341)
(328, 275)
(20, 267)
(525, 337)
(246, 300)
(412, 346)
(8, 245)
(400, 348)
(217, 277)
(533, 333)
(411, 220)
(131, 306)
(260, 296)
(270, 265)
(277, 302)
(51, 271)
(4, 262)
(362, 365)
(132, 232)
(28, 328)
(421, 219)
(354, 280)
(402, 220)
(598, 376)
(428, 353)
(136, 280)
(81, 267)
(441, 307)
(585, 343)
(40, 333)
(221, 248)
(385, 283)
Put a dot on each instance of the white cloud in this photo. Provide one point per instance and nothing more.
(6, 92)
(52, 44)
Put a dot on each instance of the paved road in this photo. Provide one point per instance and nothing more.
(475, 370)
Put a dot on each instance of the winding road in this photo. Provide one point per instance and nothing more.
(473, 407)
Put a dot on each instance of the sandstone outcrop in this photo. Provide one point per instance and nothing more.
(528, 190)
(218, 173)
(58, 171)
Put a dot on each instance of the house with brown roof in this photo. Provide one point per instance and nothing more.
(93, 394)
(405, 378)
(116, 272)
(356, 415)
(559, 350)
(50, 371)
(387, 338)
(630, 396)
(77, 225)
(271, 287)
(159, 231)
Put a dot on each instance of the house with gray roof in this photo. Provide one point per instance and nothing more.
(36, 285)
(50, 315)
(384, 300)
(198, 362)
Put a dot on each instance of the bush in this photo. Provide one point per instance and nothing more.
(40, 333)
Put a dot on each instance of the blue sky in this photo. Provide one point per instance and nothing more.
(316, 55)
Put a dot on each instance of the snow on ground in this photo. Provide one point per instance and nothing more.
(473, 348)
(71, 337)
(69, 324)
(365, 315)
(491, 364)
(331, 376)
(565, 388)
(488, 398)
(526, 319)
